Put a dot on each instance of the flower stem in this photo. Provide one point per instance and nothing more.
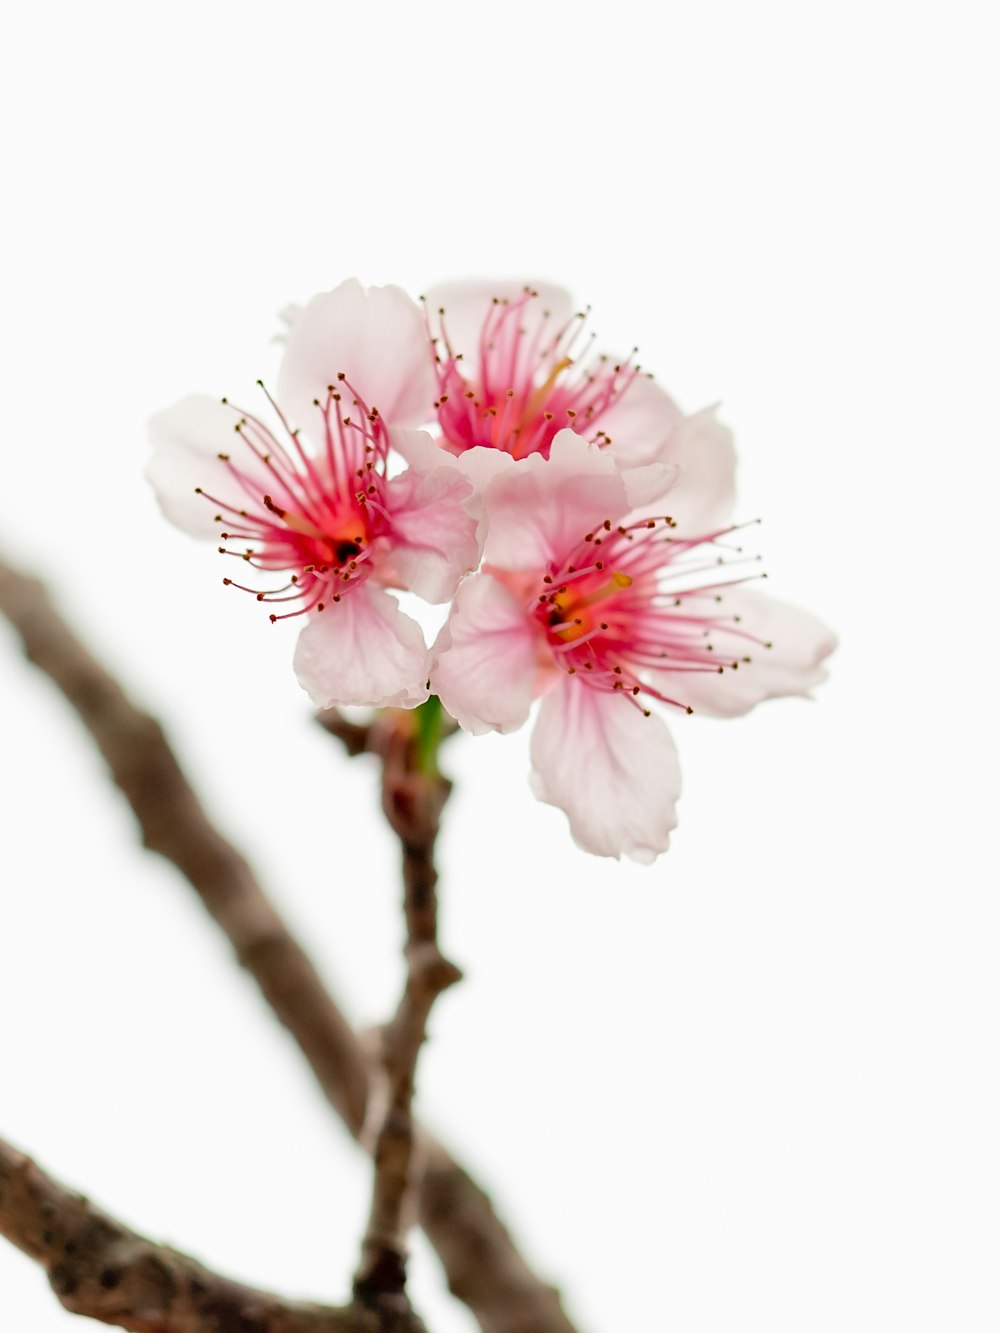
(429, 730)
(413, 796)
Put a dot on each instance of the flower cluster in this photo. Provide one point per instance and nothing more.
(482, 451)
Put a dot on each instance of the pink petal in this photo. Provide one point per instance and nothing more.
(703, 496)
(363, 650)
(187, 440)
(481, 465)
(467, 303)
(377, 337)
(434, 537)
(541, 508)
(640, 423)
(646, 487)
(484, 658)
(613, 770)
(792, 665)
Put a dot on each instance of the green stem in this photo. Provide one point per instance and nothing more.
(429, 717)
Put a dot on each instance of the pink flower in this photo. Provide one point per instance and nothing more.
(514, 367)
(328, 516)
(378, 335)
(601, 615)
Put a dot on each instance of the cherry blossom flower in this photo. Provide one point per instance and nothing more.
(601, 615)
(515, 366)
(378, 335)
(328, 516)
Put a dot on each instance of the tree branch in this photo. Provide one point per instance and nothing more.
(413, 796)
(100, 1268)
(483, 1266)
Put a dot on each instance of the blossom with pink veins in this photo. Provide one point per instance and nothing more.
(328, 515)
(515, 366)
(600, 614)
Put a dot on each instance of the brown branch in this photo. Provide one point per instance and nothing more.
(483, 1266)
(100, 1268)
(174, 824)
(412, 799)
(352, 735)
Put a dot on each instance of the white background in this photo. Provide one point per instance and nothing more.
(752, 1087)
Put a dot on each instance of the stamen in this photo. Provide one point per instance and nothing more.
(311, 521)
(645, 633)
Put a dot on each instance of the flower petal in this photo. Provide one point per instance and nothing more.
(434, 537)
(541, 508)
(645, 487)
(187, 440)
(466, 305)
(613, 770)
(704, 494)
(791, 665)
(640, 423)
(363, 650)
(484, 659)
(377, 337)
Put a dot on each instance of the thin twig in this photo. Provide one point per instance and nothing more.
(484, 1268)
(412, 799)
(100, 1268)
(352, 735)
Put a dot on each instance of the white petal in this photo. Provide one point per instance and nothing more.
(703, 496)
(540, 509)
(363, 650)
(187, 440)
(420, 450)
(481, 464)
(613, 770)
(792, 665)
(484, 658)
(640, 423)
(646, 487)
(377, 338)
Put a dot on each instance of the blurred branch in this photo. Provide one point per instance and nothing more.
(352, 735)
(174, 824)
(483, 1266)
(100, 1268)
(413, 796)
